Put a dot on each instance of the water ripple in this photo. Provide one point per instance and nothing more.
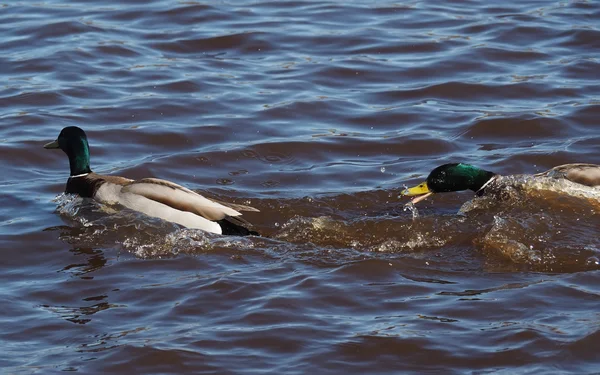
(316, 113)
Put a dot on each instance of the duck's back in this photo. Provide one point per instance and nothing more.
(584, 174)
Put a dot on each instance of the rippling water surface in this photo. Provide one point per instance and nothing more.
(316, 113)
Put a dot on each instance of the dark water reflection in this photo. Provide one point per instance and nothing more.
(316, 113)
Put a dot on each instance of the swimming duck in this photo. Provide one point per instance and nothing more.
(460, 176)
(154, 197)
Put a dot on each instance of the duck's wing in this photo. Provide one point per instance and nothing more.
(584, 174)
(181, 198)
(235, 206)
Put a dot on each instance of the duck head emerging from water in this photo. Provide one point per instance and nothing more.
(450, 177)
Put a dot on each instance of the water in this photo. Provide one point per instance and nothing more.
(316, 113)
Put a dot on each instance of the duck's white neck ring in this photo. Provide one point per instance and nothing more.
(79, 175)
(486, 184)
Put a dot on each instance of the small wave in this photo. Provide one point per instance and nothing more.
(545, 240)
(374, 234)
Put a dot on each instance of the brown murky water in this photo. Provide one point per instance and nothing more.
(316, 113)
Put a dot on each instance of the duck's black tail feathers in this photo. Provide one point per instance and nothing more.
(230, 228)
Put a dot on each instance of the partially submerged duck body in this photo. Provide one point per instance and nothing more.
(581, 180)
(154, 197)
(579, 173)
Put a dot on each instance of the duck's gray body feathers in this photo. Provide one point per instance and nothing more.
(158, 198)
(580, 173)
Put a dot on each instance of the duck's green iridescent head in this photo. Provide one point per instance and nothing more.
(73, 141)
(450, 177)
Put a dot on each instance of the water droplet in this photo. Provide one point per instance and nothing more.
(224, 181)
(411, 207)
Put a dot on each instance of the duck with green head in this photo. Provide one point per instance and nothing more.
(154, 197)
(459, 176)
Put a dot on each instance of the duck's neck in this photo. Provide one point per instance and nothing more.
(481, 179)
(79, 159)
(465, 177)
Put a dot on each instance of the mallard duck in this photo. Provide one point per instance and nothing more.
(460, 176)
(154, 197)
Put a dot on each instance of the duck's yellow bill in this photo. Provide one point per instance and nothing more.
(53, 144)
(420, 189)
